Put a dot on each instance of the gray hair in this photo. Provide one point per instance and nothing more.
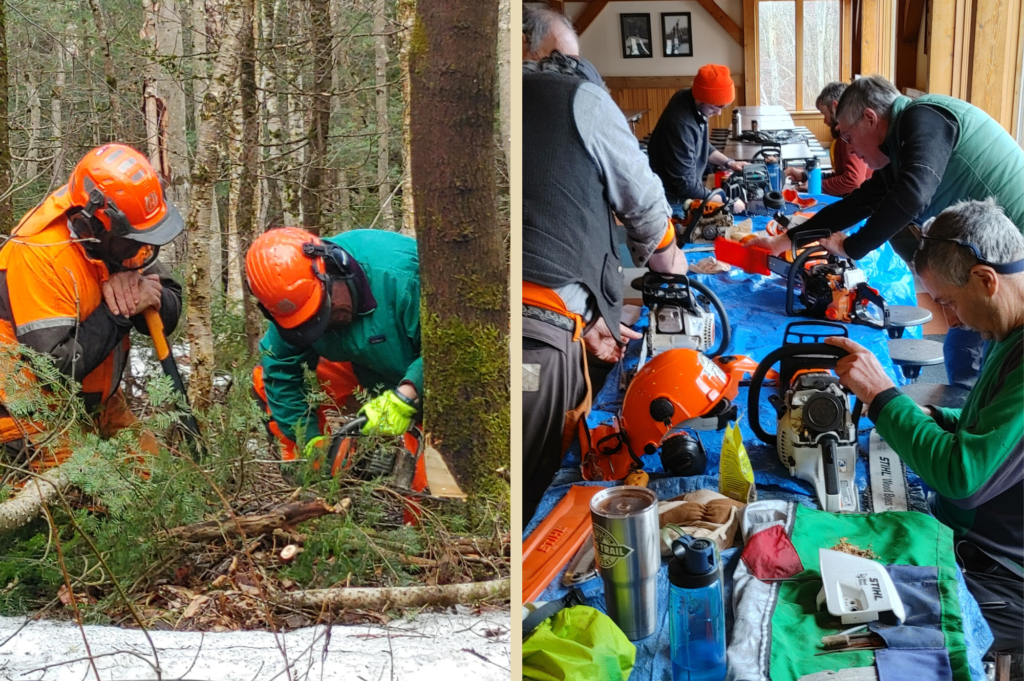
(537, 23)
(984, 225)
(832, 92)
(872, 92)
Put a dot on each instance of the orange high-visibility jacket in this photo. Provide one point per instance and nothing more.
(51, 301)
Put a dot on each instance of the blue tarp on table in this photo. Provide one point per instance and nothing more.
(756, 307)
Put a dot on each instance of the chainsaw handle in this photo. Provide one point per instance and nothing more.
(723, 316)
(156, 332)
(794, 271)
(352, 427)
(831, 353)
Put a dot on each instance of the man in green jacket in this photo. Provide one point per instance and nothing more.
(927, 153)
(971, 261)
(354, 297)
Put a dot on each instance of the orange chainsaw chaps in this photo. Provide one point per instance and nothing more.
(556, 540)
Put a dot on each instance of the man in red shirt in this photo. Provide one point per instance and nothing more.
(848, 169)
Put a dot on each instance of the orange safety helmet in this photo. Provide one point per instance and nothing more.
(117, 186)
(676, 386)
(286, 281)
(290, 271)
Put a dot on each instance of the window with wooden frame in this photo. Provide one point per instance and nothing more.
(794, 48)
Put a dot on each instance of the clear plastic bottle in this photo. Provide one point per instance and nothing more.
(813, 176)
(696, 611)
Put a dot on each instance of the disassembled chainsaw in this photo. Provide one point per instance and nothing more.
(817, 431)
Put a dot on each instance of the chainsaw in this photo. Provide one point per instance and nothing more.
(831, 287)
(817, 432)
(704, 220)
(752, 187)
(346, 454)
(682, 315)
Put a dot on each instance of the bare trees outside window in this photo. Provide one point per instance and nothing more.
(792, 72)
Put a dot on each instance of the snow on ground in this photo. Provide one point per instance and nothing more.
(447, 647)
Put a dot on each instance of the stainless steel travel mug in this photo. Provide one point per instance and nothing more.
(628, 556)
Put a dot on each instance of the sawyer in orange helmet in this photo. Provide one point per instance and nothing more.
(77, 272)
(354, 297)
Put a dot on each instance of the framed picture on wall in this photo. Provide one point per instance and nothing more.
(677, 38)
(636, 36)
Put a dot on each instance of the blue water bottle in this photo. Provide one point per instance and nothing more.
(696, 611)
(774, 173)
(813, 176)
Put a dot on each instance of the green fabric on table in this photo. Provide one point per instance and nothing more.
(905, 538)
(578, 643)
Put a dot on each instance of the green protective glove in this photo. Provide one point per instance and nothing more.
(389, 414)
(314, 445)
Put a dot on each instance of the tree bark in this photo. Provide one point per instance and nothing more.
(273, 210)
(6, 195)
(35, 122)
(465, 316)
(109, 74)
(380, 48)
(505, 80)
(57, 139)
(312, 202)
(245, 214)
(254, 525)
(29, 502)
(396, 597)
(214, 113)
(407, 17)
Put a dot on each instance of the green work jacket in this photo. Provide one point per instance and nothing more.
(383, 345)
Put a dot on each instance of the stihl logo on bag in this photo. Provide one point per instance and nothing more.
(609, 550)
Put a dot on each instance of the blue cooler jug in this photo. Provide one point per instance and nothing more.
(696, 611)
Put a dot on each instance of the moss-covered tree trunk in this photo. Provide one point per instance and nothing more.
(463, 256)
(7, 202)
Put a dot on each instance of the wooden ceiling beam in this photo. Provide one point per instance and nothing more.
(588, 15)
(724, 20)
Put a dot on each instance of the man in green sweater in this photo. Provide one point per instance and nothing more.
(971, 261)
(354, 297)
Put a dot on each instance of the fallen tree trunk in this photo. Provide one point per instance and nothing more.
(395, 597)
(255, 525)
(29, 502)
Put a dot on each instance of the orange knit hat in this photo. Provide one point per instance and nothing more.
(713, 85)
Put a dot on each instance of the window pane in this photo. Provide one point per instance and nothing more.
(821, 47)
(777, 52)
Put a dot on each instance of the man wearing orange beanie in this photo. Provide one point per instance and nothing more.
(680, 149)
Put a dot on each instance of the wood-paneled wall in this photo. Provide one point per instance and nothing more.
(653, 94)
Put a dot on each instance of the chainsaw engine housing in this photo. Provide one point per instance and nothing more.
(814, 426)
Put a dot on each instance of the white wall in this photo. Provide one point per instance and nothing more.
(601, 43)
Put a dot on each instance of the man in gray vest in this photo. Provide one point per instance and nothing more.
(928, 153)
(545, 31)
(581, 167)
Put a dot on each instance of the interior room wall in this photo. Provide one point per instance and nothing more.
(601, 43)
